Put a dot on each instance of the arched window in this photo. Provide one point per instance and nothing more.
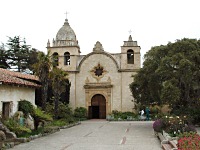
(66, 58)
(130, 56)
(55, 59)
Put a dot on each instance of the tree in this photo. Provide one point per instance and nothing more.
(42, 70)
(3, 57)
(170, 75)
(65, 96)
(18, 56)
(32, 59)
(58, 83)
(18, 53)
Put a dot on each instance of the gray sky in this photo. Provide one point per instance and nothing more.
(153, 22)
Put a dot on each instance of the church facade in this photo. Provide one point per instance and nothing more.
(99, 80)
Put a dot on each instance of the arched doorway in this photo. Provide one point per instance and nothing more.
(97, 110)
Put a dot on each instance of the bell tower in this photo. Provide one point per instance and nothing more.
(130, 55)
(65, 49)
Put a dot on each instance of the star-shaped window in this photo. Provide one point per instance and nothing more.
(99, 71)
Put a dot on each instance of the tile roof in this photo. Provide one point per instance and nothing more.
(17, 78)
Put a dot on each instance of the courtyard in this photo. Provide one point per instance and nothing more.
(99, 135)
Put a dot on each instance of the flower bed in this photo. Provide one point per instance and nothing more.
(189, 141)
(173, 125)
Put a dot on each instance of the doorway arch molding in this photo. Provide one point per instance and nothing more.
(102, 88)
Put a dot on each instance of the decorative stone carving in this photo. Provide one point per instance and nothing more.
(98, 47)
(98, 72)
(103, 88)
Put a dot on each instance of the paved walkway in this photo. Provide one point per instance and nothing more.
(98, 135)
(198, 130)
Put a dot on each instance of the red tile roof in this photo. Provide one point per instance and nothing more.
(17, 78)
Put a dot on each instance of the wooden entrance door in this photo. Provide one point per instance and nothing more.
(6, 110)
(98, 107)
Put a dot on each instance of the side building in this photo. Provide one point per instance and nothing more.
(99, 80)
(15, 86)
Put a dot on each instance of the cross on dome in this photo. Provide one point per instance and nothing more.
(130, 32)
(66, 14)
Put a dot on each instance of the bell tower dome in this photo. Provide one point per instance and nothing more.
(65, 47)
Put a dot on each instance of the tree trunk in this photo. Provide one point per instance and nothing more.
(56, 106)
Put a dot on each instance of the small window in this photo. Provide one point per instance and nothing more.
(66, 58)
(55, 59)
(130, 56)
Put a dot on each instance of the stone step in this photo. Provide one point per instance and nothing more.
(173, 144)
(167, 146)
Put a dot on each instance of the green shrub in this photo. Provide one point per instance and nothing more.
(38, 113)
(40, 116)
(48, 129)
(64, 111)
(123, 115)
(26, 107)
(14, 126)
(80, 112)
(58, 123)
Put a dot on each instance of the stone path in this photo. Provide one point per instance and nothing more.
(98, 135)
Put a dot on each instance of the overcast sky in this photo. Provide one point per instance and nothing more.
(153, 22)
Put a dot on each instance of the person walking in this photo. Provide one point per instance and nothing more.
(147, 111)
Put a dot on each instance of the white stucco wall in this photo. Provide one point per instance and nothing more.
(9, 93)
(127, 103)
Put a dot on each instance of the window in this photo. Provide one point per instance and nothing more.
(66, 58)
(130, 56)
(55, 59)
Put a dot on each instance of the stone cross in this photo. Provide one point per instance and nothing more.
(66, 14)
(130, 32)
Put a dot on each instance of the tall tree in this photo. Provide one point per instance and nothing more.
(32, 59)
(42, 70)
(58, 83)
(18, 53)
(3, 57)
(65, 96)
(170, 75)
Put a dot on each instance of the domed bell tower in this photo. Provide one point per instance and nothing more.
(64, 48)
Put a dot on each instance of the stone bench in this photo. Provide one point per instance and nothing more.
(166, 144)
(162, 139)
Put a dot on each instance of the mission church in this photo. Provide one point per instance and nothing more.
(99, 80)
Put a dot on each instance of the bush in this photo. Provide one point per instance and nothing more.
(80, 112)
(64, 111)
(175, 125)
(58, 123)
(189, 141)
(40, 116)
(15, 127)
(122, 115)
(189, 128)
(158, 125)
(26, 107)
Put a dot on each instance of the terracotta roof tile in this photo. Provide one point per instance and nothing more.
(16, 78)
